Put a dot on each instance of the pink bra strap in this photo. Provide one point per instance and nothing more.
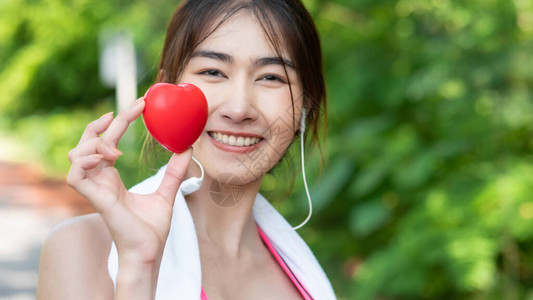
(284, 266)
(203, 296)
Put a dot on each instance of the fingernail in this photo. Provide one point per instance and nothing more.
(117, 151)
(96, 156)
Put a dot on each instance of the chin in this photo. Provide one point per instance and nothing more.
(233, 174)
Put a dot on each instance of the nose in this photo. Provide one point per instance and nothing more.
(239, 101)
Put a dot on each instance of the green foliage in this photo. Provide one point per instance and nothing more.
(427, 193)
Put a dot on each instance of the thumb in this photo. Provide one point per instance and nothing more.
(174, 175)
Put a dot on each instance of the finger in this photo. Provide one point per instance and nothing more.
(94, 146)
(174, 175)
(78, 170)
(118, 127)
(96, 127)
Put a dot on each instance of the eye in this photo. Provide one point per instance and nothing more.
(271, 77)
(214, 73)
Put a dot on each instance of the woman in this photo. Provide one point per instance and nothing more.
(259, 65)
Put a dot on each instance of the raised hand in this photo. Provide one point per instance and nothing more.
(139, 224)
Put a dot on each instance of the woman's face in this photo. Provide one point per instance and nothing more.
(250, 123)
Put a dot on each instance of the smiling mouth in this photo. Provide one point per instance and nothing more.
(234, 140)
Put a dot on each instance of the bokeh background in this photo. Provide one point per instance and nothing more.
(427, 190)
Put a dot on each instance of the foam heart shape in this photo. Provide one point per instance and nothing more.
(175, 115)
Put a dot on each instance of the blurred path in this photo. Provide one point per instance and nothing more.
(30, 205)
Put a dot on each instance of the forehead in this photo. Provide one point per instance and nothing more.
(241, 35)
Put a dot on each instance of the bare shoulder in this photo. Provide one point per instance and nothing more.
(74, 260)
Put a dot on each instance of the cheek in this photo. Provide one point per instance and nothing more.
(278, 99)
(284, 113)
(277, 104)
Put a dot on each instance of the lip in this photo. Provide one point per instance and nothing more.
(235, 149)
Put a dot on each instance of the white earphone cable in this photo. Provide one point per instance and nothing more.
(201, 168)
(302, 131)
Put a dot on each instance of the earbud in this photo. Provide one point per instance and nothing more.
(302, 122)
(193, 183)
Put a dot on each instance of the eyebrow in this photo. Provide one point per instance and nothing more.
(263, 61)
(214, 55)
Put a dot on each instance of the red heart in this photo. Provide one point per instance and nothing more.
(175, 115)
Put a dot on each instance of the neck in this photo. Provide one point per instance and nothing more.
(222, 215)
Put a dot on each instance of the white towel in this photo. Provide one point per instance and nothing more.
(180, 273)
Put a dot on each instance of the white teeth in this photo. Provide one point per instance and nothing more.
(234, 140)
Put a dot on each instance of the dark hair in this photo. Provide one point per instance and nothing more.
(285, 22)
